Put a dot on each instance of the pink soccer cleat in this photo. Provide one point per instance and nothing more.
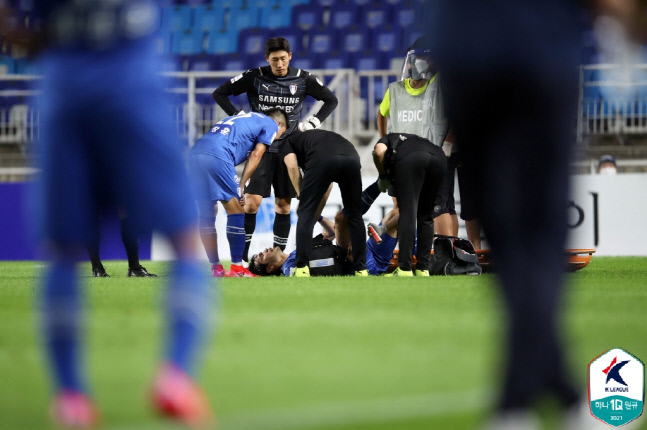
(217, 271)
(238, 271)
(74, 410)
(176, 396)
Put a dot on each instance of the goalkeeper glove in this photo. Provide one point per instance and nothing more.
(310, 124)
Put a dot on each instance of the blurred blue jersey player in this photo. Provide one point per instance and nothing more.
(106, 141)
(212, 164)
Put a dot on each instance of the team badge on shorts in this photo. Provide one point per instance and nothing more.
(293, 89)
(616, 387)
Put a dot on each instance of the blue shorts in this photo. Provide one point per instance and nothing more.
(378, 257)
(213, 178)
(99, 151)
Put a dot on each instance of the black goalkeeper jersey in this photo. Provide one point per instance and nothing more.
(266, 91)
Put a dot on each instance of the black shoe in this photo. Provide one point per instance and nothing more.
(140, 272)
(99, 272)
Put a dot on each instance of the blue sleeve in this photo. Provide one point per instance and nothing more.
(289, 264)
(268, 132)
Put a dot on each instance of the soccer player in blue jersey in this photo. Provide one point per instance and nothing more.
(105, 141)
(212, 164)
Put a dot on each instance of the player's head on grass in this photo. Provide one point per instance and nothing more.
(278, 54)
(267, 262)
(281, 118)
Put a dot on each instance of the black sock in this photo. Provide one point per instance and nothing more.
(131, 242)
(281, 230)
(93, 252)
(250, 226)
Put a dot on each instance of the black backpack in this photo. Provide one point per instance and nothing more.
(454, 256)
(327, 259)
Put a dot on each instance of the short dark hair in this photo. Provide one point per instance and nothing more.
(278, 114)
(276, 44)
(260, 269)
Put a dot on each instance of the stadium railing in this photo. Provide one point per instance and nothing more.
(612, 100)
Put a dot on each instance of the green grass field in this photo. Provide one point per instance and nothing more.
(315, 354)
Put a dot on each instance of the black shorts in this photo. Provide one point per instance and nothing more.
(271, 172)
(445, 200)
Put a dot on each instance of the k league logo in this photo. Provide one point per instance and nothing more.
(616, 387)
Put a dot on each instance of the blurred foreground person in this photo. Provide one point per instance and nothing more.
(105, 141)
(510, 87)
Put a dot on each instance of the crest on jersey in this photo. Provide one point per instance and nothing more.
(293, 89)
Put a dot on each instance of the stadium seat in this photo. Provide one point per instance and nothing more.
(177, 18)
(405, 15)
(307, 16)
(369, 60)
(275, 15)
(343, 15)
(322, 39)
(294, 35)
(303, 60)
(326, 3)
(234, 62)
(222, 42)
(376, 14)
(209, 17)
(297, 2)
(388, 39)
(202, 63)
(163, 40)
(196, 2)
(187, 42)
(252, 41)
(334, 60)
(354, 39)
(6, 65)
(246, 16)
(173, 63)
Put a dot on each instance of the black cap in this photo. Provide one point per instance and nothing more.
(606, 158)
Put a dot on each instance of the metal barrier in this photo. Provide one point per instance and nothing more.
(612, 100)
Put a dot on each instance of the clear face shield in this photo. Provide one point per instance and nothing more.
(418, 65)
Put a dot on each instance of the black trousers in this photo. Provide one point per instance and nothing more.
(512, 107)
(345, 170)
(418, 177)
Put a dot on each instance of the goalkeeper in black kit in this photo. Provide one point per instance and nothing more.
(285, 87)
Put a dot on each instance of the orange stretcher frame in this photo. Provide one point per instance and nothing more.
(576, 259)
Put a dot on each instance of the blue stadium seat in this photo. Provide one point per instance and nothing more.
(234, 62)
(222, 42)
(322, 39)
(196, 2)
(376, 14)
(6, 65)
(294, 35)
(209, 17)
(307, 16)
(246, 16)
(369, 60)
(334, 60)
(326, 3)
(388, 38)
(405, 14)
(275, 15)
(173, 63)
(303, 60)
(187, 42)
(176, 18)
(202, 63)
(228, 4)
(297, 2)
(252, 41)
(354, 39)
(343, 15)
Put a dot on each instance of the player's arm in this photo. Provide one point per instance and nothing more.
(292, 165)
(328, 227)
(383, 114)
(252, 164)
(316, 89)
(233, 87)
